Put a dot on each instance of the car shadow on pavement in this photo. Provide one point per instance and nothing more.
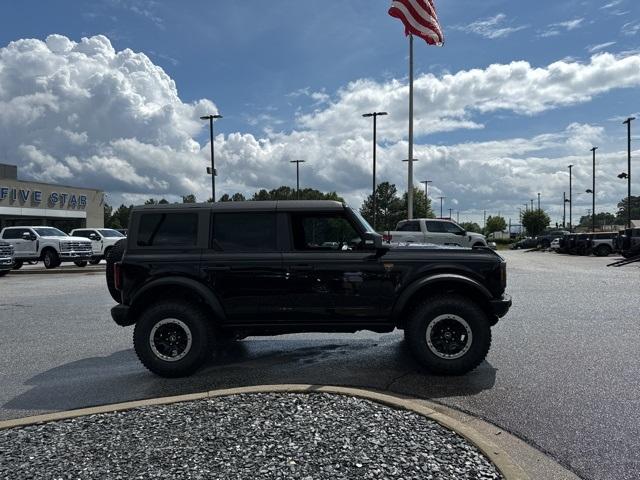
(381, 364)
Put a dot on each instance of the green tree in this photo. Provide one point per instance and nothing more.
(288, 193)
(110, 221)
(421, 206)
(602, 218)
(535, 221)
(237, 197)
(495, 224)
(191, 198)
(389, 207)
(623, 209)
(471, 227)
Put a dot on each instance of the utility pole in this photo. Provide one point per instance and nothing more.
(564, 208)
(213, 166)
(484, 221)
(441, 198)
(450, 213)
(426, 194)
(297, 162)
(570, 199)
(538, 200)
(375, 115)
(628, 123)
(593, 209)
(532, 204)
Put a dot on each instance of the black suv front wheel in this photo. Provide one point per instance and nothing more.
(449, 334)
(173, 339)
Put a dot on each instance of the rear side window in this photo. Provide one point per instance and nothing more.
(14, 233)
(168, 230)
(244, 232)
(435, 227)
(409, 227)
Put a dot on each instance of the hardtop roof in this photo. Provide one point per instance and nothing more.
(251, 205)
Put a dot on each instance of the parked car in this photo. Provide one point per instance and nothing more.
(629, 242)
(190, 276)
(102, 240)
(602, 244)
(524, 243)
(6, 258)
(48, 244)
(544, 240)
(434, 231)
(555, 244)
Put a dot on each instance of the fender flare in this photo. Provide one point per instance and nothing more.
(434, 279)
(207, 296)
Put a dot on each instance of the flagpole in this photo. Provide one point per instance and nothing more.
(410, 157)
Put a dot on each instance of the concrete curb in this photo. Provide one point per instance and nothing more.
(509, 469)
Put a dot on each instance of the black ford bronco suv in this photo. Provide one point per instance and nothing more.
(191, 276)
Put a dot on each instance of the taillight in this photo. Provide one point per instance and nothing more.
(117, 275)
(503, 274)
(387, 237)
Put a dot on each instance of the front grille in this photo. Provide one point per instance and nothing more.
(6, 250)
(76, 246)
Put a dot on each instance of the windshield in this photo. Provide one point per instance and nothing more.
(364, 223)
(110, 233)
(50, 232)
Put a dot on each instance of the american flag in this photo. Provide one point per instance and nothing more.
(419, 18)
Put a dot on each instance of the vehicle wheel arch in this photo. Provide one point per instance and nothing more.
(184, 289)
(437, 285)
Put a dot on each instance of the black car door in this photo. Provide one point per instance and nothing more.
(330, 274)
(244, 267)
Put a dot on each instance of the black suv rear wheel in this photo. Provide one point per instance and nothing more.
(173, 339)
(449, 334)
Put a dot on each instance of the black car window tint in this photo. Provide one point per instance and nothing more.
(435, 227)
(329, 232)
(168, 229)
(244, 232)
(410, 227)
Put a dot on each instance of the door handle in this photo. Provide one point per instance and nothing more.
(301, 268)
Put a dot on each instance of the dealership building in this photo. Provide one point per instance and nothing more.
(34, 203)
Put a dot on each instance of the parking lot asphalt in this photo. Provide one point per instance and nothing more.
(562, 373)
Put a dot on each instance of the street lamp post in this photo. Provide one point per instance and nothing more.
(426, 195)
(593, 192)
(297, 162)
(450, 213)
(628, 123)
(570, 199)
(213, 166)
(375, 115)
(538, 200)
(564, 208)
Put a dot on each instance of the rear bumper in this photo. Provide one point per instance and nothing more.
(501, 307)
(120, 315)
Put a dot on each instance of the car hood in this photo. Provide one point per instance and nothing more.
(67, 239)
(477, 235)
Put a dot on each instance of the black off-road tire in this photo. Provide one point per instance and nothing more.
(51, 259)
(201, 332)
(17, 265)
(448, 304)
(94, 261)
(602, 251)
(81, 263)
(113, 255)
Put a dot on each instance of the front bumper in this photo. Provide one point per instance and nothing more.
(6, 263)
(501, 306)
(120, 315)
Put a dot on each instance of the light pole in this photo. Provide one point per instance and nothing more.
(375, 115)
(426, 195)
(213, 166)
(593, 191)
(564, 208)
(297, 162)
(628, 123)
(538, 200)
(570, 198)
(450, 212)
(441, 199)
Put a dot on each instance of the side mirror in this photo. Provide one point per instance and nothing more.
(461, 233)
(28, 236)
(373, 241)
(93, 236)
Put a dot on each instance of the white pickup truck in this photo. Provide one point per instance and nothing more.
(436, 231)
(6, 258)
(48, 244)
(102, 239)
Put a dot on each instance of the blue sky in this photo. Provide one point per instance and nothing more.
(260, 62)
